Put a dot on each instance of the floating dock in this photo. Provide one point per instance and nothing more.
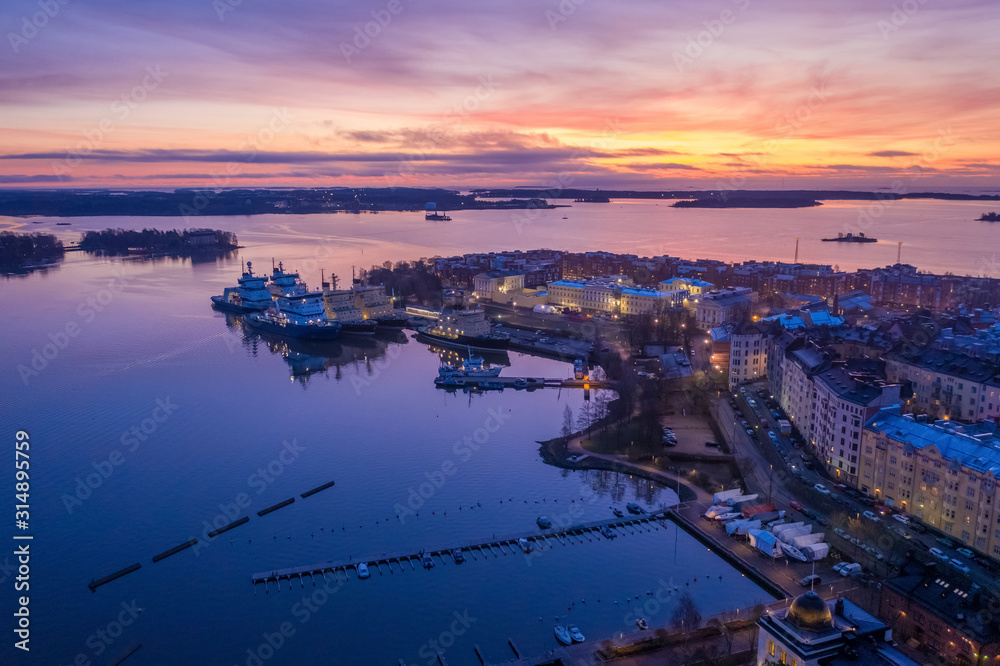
(388, 564)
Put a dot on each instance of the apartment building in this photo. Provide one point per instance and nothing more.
(747, 355)
(947, 384)
(944, 473)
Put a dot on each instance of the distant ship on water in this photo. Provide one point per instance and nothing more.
(431, 213)
(851, 238)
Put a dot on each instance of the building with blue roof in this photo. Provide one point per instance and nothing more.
(945, 473)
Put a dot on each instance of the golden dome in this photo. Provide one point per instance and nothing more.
(808, 611)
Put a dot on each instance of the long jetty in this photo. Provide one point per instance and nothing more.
(530, 383)
(539, 540)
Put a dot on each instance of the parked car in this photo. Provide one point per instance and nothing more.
(750, 431)
(810, 580)
(850, 569)
(840, 532)
(901, 532)
(820, 488)
(939, 554)
(966, 552)
(901, 518)
(958, 564)
(840, 486)
(795, 505)
(712, 444)
(870, 515)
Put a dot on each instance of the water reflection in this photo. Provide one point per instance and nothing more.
(306, 358)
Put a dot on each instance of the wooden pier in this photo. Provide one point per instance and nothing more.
(540, 540)
(525, 383)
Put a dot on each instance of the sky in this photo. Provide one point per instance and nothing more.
(681, 94)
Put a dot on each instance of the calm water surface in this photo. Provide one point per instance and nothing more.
(253, 422)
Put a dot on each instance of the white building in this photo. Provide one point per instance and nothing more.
(586, 295)
(747, 355)
(721, 307)
(694, 286)
(635, 300)
(498, 285)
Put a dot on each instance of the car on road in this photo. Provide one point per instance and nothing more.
(898, 517)
(795, 505)
(850, 568)
(872, 516)
(966, 552)
(939, 554)
(958, 564)
(839, 531)
(820, 488)
(840, 486)
(901, 532)
(810, 580)
(750, 431)
(946, 542)
(772, 434)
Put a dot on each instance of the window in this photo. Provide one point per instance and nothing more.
(770, 647)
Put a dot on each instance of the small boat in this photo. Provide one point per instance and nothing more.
(608, 533)
(458, 555)
(363, 571)
(634, 508)
(544, 522)
(63, 224)
(641, 623)
(520, 383)
(618, 512)
(427, 562)
(525, 546)
(562, 635)
(575, 634)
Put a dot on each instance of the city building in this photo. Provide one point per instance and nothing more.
(747, 355)
(944, 617)
(585, 295)
(636, 300)
(845, 396)
(946, 384)
(814, 632)
(694, 286)
(498, 285)
(944, 473)
(723, 306)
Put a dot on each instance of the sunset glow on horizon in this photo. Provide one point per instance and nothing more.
(636, 95)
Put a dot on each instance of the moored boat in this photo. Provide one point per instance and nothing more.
(544, 522)
(465, 328)
(250, 295)
(562, 635)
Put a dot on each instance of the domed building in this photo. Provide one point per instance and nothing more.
(814, 632)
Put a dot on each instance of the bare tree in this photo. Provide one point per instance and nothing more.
(567, 427)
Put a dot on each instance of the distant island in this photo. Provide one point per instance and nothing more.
(117, 242)
(21, 253)
(748, 202)
(989, 217)
(192, 203)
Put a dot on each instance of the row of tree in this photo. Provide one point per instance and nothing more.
(113, 242)
(21, 252)
(408, 281)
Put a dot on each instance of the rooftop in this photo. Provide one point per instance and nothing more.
(974, 447)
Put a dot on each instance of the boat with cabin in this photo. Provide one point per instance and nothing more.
(250, 295)
(302, 316)
(465, 328)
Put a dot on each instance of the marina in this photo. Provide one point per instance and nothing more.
(509, 545)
